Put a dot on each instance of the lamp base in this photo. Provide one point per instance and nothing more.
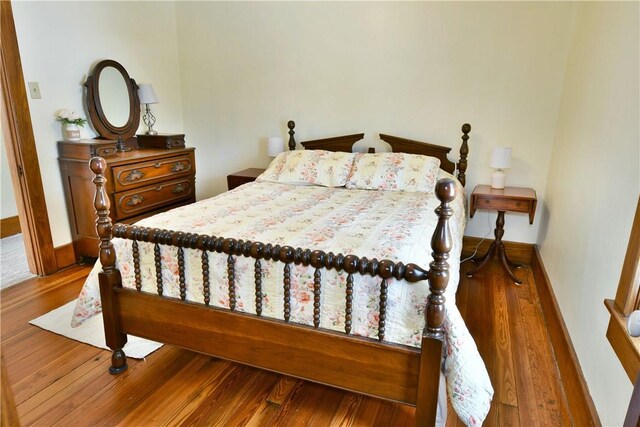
(151, 132)
(497, 179)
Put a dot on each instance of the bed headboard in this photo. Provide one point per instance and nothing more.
(398, 145)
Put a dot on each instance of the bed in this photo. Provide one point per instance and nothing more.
(185, 287)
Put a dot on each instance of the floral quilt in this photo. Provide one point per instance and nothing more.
(382, 224)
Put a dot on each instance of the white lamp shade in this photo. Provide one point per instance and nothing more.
(501, 158)
(275, 146)
(146, 94)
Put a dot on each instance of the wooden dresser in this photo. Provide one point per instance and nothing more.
(140, 183)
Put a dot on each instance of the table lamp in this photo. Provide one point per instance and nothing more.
(500, 159)
(275, 146)
(148, 96)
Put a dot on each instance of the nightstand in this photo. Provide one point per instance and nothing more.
(244, 176)
(509, 199)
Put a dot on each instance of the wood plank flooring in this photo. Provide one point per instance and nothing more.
(57, 381)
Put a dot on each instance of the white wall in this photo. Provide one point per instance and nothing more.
(417, 70)
(8, 206)
(592, 189)
(59, 43)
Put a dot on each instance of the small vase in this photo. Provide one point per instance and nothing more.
(70, 132)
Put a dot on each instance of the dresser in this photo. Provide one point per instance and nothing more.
(140, 183)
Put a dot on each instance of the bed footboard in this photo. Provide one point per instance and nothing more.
(379, 369)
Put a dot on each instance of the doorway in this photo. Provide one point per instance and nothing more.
(21, 152)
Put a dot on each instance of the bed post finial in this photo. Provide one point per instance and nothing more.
(109, 277)
(464, 150)
(292, 142)
(441, 245)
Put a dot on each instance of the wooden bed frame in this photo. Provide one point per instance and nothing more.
(362, 365)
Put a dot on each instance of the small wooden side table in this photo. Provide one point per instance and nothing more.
(244, 176)
(511, 199)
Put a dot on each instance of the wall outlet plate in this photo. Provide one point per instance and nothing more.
(34, 90)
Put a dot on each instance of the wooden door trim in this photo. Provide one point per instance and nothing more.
(22, 153)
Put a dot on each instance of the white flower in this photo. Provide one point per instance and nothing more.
(64, 114)
(73, 116)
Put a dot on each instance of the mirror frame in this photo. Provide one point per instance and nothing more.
(98, 119)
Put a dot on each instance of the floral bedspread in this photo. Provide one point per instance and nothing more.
(383, 224)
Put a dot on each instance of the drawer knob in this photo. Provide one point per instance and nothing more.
(486, 202)
(157, 164)
(178, 167)
(178, 189)
(134, 175)
(135, 200)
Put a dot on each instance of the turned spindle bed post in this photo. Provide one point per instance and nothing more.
(464, 151)
(292, 142)
(109, 277)
(433, 334)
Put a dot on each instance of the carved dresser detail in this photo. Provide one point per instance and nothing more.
(140, 183)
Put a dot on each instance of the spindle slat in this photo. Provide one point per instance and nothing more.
(158, 262)
(231, 271)
(136, 265)
(181, 275)
(205, 277)
(258, 277)
(317, 277)
(287, 292)
(349, 305)
(383, 309)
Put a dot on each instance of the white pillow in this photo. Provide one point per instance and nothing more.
(394, 172)
(317, 167)
(275, 167)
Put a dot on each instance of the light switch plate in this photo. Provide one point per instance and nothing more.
(34, 90)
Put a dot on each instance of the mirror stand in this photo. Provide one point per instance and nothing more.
(115, 116)
(121, 147)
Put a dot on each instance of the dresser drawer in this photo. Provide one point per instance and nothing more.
(503, 204)
(140, 200)
(147, 173)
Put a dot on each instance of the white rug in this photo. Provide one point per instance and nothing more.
(91, 331)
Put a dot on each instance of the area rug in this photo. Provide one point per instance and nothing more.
(91, 331)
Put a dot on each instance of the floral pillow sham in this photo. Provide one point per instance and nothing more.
(316, 167)
(394, 172)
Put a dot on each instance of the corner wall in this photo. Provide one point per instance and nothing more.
(592, 189)
(59, 43)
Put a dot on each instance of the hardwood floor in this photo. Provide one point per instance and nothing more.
(57, 381)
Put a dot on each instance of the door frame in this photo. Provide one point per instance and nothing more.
(22, 153)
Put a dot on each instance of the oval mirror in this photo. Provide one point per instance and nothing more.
(114, 96)
(112, 102)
